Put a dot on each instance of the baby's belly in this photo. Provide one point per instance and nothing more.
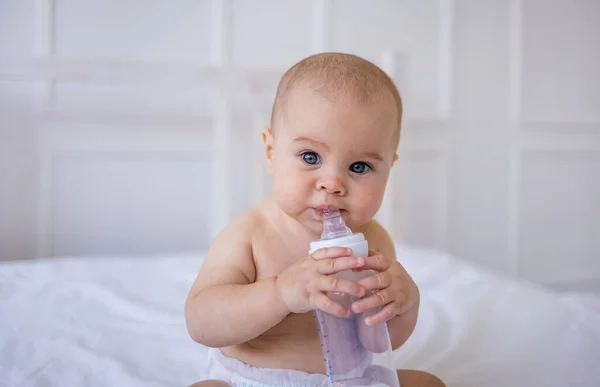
(293, 344)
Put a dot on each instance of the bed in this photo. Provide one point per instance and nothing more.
(118, 321)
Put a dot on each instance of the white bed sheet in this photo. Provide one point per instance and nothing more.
(119, 322)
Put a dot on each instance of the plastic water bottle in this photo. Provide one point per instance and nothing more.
(354, 353)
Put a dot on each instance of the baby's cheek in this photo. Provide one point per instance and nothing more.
(367, 212)
(290, 198)
(293, 189)
(289, 204)
(371, 201)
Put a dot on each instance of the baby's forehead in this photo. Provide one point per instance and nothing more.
(340, 91)
(313, 116)
(359, 86)
(305, 101)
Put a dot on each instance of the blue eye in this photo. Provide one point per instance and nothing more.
(310, 158)
(359, 167)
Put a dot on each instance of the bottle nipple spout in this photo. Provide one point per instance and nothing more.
(333, 225)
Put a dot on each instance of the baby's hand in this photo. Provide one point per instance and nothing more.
(391, 288)
(302, 285)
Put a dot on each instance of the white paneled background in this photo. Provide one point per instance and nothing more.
(133, 127)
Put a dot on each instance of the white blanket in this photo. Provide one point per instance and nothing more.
(118, 321)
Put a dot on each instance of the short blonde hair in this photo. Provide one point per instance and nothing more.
(337, 76)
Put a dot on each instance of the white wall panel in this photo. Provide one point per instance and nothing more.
(18, 170)
(113, 142)
(420, 200)
(139, 203)
(16, 28)
(561, 58)
(131, 101)
(134, 30)
(482, 54)
(481, 132)
(270, 33)
(559, 226)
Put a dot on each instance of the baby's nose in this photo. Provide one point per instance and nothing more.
(332, 185)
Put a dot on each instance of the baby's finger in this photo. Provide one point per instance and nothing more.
(386, 313)
(324, 303)
(334, 284)
(376, 262)
(332, 266)
(376, 299)
(331, 252)
(376, 281)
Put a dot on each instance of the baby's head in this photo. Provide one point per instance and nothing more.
(335, 128)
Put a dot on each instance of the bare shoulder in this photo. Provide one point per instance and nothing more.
(230, 260)
(379, 239)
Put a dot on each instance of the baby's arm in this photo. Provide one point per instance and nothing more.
(225, 305)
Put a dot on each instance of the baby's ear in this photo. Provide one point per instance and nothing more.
(267, 137)
(394, 159)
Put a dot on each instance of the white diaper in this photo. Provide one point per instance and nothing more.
(239, 374)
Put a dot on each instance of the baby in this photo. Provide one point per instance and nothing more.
(334, 132)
